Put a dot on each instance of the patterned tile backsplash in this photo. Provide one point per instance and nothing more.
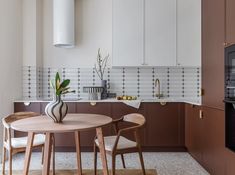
(176, 82)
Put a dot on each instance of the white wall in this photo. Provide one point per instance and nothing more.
(32, 32)
(93, 30)
(10, 55)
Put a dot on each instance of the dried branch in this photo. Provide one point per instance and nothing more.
(102, 63)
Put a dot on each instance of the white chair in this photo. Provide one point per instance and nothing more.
(16, 145)
(118, 144)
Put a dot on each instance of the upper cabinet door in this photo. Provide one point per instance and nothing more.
(188, 33)
(230, 24)
(160, 32)
(128, 32)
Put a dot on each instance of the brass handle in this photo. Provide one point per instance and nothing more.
(201, 92)
(92, 103)
(226, 44)
(27, 103)
(201, 114)
(163, 103)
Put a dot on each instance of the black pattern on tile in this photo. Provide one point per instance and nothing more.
(168, 82)
(108, 82)
(123, 81)
(49, 78)
(29, 82)
(138, 82)
(39, 83)
(198, 82)
(93, 76)
(78, 76)
(153, 82)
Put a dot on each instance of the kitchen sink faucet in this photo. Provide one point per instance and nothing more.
(157, 84)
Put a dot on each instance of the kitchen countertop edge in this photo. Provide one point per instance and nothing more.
(115, 100)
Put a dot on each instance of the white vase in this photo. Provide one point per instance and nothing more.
(56, 109)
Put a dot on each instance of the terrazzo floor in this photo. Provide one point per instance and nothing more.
(164, 163)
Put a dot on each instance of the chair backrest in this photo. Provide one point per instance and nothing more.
(17, 116)
(135, 118)
(6, 121)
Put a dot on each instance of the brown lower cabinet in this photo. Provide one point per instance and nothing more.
(205, 138)
(165, 126)
(164, 129)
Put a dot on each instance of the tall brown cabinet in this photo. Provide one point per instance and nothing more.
(205, 125)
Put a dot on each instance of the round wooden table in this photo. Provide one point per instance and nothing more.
(72, 123)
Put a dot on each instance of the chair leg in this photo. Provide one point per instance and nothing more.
(10, 162)
(113, 163)
(53, 155)
(95, 159)
(123, 161)
(3, 160)
(42, 155)
(142, 161)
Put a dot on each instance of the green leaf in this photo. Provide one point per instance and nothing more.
(65, 83)
(52, 84)
(66, 92)
(57, 80)
(61, 90)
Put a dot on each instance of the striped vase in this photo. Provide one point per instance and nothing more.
(56, 109)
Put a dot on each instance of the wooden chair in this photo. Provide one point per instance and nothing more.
(16, 145)
(118, 144)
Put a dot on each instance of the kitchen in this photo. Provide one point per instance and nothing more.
(166, 55)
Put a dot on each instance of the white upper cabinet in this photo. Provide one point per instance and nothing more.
(156, 32)
(160, 32)
(128, 32)
(188, 33)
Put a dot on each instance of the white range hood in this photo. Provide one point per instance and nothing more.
(63, 23)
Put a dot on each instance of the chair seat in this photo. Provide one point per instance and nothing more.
(123, 143)
(21, 142)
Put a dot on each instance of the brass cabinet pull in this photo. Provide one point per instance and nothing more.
(163, 103)
(27, 103)
(92, 103)
(201, 92)
(201, 114)
(226, 44)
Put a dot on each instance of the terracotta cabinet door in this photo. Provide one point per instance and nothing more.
(165, 125)
(21, 106)
(230, 23)
(193, 131)
(213, 36)
(32, 106)
(87, 137)
(213, 145)
(121, 109)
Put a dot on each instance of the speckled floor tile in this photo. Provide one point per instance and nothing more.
(165, 163)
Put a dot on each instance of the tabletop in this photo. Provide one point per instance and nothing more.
(72, 122)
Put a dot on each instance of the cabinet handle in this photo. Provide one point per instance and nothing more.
(201, 114)
(226, 44)
(92, 103)
(26, 103)
(201, 92)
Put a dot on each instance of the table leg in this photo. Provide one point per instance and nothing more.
(78, 150)
(47, 153)
(28, 153)
(100, 138)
